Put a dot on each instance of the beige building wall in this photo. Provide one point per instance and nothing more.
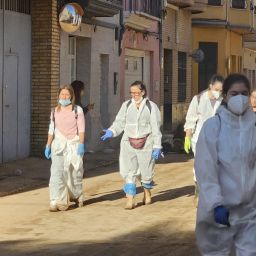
(96, 61)
(242, 17)
(230, 51)
(225, 26)
(249, 66)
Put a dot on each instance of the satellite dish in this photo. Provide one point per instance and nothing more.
(70, 17)
(197, 55)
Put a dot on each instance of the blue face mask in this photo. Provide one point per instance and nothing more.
(64, 102)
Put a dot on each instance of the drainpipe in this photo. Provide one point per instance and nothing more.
(161, 50)
(121, 30)
(160, 28)
(228, 5)
(253, 8)
(2, 89)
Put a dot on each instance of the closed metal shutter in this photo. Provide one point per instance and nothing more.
(21, 6)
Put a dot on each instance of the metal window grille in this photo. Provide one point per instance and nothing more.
(151, 7)
(22, 6)
(182, 76)
(215, 2)
(238, 4)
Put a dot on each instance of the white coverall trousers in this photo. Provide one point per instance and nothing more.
(193, 147)
(218, 241)
(136, 163)
(66, 181)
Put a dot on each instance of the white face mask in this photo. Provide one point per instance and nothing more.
(216, 94)
(138, 101)
(238, 104)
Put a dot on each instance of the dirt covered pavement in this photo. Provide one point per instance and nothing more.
(102, 227)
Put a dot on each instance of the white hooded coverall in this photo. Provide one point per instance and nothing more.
(66, 181)
(226, 175)
(200, 109)
(137, 123)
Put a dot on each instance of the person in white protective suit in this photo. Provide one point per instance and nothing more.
(202, 107)
(140, 121)
(226, 175)
(65, 146)
(253, 100)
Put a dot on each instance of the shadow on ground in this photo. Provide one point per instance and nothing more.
(172, 194)
(160, 240)
(166, 195)
(33, 173)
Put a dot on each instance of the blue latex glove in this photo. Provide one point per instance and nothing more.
(81, 149)
(47, 152)
(156, 153)
(108, 134)
(221, 215)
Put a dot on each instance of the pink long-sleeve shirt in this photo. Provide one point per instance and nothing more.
(67, 123)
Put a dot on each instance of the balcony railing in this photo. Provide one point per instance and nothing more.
(199, 6)
(150, 7)
(181, 3)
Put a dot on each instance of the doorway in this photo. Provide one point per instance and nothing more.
(209, 66)
(167, 125)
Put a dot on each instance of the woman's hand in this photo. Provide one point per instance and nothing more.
(90, 106)
(81, 149)
(108, 134)
(156, 153)
(187, 144)
(221, 215)
(47, 152)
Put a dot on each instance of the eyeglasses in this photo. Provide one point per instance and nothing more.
(135, 93)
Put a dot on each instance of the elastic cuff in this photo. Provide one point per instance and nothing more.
(130, 189)
(147, 186)
(113, 131)
(157, 147)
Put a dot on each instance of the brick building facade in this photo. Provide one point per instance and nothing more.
(45, 68)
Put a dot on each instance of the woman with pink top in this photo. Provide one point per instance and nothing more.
(65, 146)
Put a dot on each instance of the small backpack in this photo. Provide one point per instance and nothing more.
(199, 95)
(147, 104)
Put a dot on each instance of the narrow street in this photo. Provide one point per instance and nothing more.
(76, 75)
(103, 227)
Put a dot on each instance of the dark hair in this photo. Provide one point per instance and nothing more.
(235, 78)
(77, 86)
(216, 78)
(141, 86)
